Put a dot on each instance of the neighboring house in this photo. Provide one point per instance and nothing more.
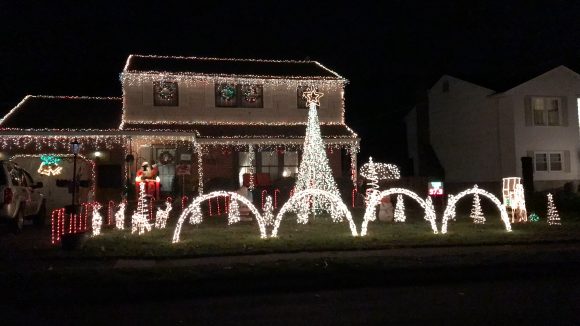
(209, 114)
(479, 134)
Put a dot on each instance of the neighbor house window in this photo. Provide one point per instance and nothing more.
(546, 111)
(165, 93)
(548, 161)
(239, 95)
(300, 100)
(290, 168)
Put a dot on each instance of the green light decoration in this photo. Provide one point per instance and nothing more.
(50, 159)
(228, 92)
(534, 217)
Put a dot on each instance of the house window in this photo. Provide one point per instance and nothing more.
(165, 93)
(239, 95)
(548, 161)
(290, 168)
(243, 166)
(270, 164)
(251, 96)
(300, 100)
(226, 95)
(546, 111)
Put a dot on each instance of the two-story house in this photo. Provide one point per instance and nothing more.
(199, 119)
(479, 132)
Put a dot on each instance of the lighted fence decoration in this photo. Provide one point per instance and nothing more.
(67, 223)
(276, 194)
(193, 212)
(374, 200)
(449, 212)
(300, 203)
(218, 207)
(110, 213)
(184, 201)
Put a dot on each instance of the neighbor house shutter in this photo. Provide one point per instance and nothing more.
(148, 93)
(531, 154)
(566, 161)
(528, 114)
(564, 100)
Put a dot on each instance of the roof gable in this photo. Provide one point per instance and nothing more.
(64, 113)
(229, 67)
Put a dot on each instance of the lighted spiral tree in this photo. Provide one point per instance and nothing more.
(314, 171)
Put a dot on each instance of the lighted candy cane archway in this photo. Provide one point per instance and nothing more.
(337, 205)
(195, 207)
(427, 205)
(450, 209)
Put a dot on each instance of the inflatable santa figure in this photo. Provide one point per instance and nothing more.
(148, 174)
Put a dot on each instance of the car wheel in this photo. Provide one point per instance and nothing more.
(40, 217)
(18, 222)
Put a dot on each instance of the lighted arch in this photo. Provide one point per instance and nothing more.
(427, 205)
(450, 209)
(335, 200)
(197, 220)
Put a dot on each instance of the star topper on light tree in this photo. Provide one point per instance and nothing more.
(314, 171)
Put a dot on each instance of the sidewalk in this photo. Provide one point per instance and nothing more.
(422, 257)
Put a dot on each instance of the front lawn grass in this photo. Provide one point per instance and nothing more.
(215, 238)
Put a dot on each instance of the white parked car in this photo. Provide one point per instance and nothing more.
(19, 197)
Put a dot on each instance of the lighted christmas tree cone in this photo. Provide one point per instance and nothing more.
(314, 171)
(476, 212)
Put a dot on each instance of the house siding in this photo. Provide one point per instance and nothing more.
(559, 82)
(463, 131)
(197, 104)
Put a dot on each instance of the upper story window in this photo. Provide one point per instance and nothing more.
(239, 95)
(548, 161)
(165, 93)
(547, 111)
(300, 100)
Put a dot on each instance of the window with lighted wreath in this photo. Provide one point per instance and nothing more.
(239, 95)
(165, 93)
(300, 100)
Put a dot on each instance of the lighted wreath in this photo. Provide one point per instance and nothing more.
(166, 90)
(165, 157)
(251, 94)
(228, 92)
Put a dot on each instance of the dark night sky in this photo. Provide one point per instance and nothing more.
(391, 51)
